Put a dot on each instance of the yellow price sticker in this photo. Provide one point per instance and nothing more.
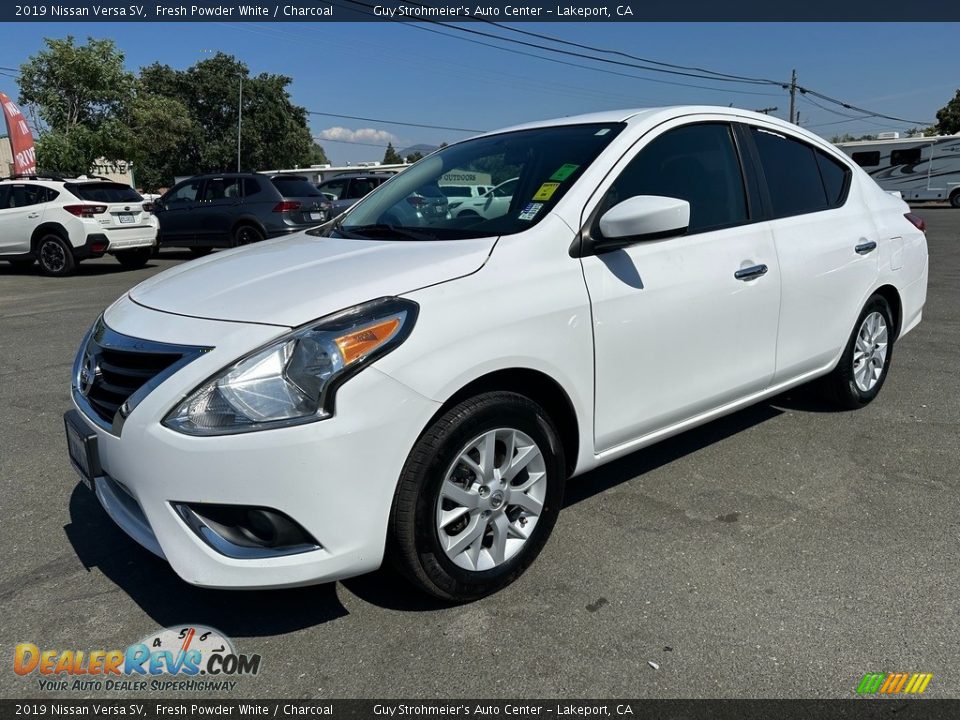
(546, 191)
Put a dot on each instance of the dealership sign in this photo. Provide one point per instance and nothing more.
(21, 139)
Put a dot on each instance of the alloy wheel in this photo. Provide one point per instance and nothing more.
(491, 499)
(870, 352)
(53, 256)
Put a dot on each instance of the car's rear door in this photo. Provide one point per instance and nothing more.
(21, 211)
(688, 324)
(827, 245)
(218, 209)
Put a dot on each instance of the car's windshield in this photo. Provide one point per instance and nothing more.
(530, 171)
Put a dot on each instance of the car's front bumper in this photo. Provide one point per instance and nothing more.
(336, 477)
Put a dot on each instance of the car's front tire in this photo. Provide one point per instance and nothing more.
(478, 497)
(134, 259)
(863, 367)
(55, 256)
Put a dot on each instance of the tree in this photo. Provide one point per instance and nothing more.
(158, 130)
(318, 156)
(414, 156)
(948, 117)
(391, 156)
(76, 95)
(274, 131)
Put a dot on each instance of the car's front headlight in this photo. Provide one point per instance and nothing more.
(294, 379)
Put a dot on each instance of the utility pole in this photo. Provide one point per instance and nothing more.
(766, 110)
(793, 95)
(239, 121)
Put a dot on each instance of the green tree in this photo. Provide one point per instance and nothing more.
(158, 130)
(948, 117)
(274, 131)
(76, 96)
(391, 156)
(317, 155)
(414, 156)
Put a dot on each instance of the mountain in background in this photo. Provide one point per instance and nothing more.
(421, 148)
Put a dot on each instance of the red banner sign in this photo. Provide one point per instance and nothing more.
(21, 139)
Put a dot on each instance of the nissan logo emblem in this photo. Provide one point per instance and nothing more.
(88, 374)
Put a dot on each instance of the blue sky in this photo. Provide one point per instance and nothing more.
(392, 71)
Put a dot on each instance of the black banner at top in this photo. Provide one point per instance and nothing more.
(445, 11)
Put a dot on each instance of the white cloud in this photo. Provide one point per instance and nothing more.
(363, 135)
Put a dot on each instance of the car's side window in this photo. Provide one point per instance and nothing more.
(250, 187)
(333, 188)
(835, 178)
(793, 173)
(5, 197)
(221, 189)
(25, 195)
(184, 194)
(697, 163)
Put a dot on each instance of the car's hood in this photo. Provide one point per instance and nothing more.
(291, 281)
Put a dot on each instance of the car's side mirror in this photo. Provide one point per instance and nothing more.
(640, 218)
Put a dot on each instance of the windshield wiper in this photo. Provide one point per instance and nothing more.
(383, 230)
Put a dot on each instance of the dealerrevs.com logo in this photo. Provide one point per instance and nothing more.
(189, 657)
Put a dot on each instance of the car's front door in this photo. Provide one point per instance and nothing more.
(175, 210)
(688, 324)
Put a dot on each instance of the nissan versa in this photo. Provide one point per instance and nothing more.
(417, 388)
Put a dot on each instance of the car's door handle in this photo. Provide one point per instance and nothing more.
(33, 215)
(865, 247)
(749, 273)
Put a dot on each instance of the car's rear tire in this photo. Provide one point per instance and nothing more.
(23, 264)
(55, 256)
(478, 497)
(863, 367)
(247, 234)
(134, 259)
(955, 199)
(200, 251)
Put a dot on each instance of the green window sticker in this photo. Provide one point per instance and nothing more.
(564, 171)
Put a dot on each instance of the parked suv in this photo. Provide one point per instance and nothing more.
(58, 222)
(344, 190)
(231, 209)
(417, 389)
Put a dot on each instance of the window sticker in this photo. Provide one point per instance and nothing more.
(530, 211)
(546, 191)
(564, 171)
(602, 132)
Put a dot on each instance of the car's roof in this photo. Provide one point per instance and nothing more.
(359, 176)
(636, 115)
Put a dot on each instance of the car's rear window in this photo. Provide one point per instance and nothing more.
(104, 192)
(295, 187)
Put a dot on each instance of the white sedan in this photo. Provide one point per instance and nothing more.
(300, 410)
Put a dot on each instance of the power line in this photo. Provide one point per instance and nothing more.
(572, 53)
(514, 51)
(395, 122)
(620, 53)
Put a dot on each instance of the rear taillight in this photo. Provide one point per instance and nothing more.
(148, 207)
(85, 211)
(98, 247)
(918, 222)
(286, 206)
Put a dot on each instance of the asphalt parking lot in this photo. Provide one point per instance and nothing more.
(780, 552)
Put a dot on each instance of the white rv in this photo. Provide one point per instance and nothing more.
(919, 168)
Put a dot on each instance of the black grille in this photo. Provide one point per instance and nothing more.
(111, 368)
(120, 373)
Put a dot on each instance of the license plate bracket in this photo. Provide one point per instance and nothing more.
(82, 448)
